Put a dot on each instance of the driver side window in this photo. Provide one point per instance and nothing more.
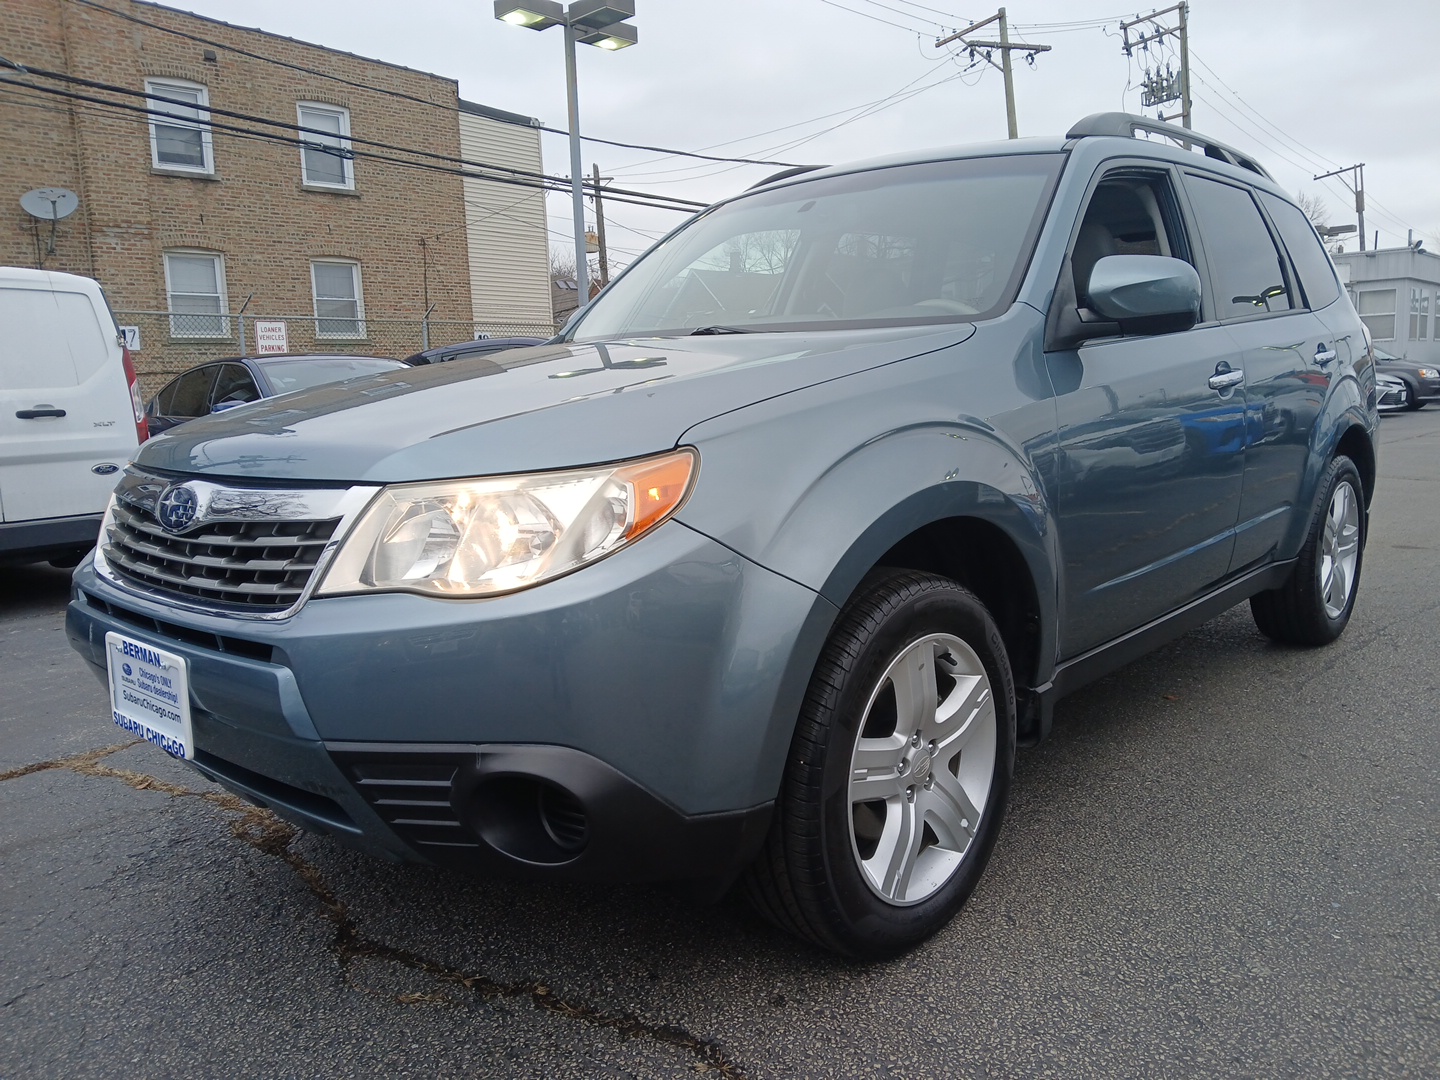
(1126, 216)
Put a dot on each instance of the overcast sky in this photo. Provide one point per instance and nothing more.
(1305, 85)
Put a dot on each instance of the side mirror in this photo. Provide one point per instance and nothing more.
(1146, 294)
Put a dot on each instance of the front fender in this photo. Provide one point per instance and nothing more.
(818, 487)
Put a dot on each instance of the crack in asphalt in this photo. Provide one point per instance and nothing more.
(265, 832)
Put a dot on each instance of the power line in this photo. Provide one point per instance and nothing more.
(875, 18)
(540, 181)
(937, 11)
(519, 177)
(774, 130)
(905, 93)
(384, 90)
(674, 153)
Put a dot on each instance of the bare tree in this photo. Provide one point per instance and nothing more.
(562, 263)
(766, 252)
(1315, 209)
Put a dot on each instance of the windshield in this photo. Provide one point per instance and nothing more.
(939, 242)
(288, 375)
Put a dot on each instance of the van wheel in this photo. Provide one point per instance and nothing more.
(1314, 605)
(898, 774)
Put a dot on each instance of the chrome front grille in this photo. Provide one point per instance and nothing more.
(244, 549)
(256, 564)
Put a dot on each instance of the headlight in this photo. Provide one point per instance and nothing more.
(1429, 373)
(480, 537)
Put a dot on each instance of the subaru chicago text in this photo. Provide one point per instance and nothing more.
(764, 568)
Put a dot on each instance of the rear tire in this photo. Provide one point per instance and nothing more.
(899, 772)
(1314, 605)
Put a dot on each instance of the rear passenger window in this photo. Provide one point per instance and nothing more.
(1248, 273)
(1317, 272)
(50, 339)
(192, 393)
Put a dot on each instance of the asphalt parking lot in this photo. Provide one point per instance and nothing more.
(1225, 863)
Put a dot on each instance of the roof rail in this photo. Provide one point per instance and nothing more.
(1125, 125)
(785, 174)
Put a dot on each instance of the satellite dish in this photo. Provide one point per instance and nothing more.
(49, 203)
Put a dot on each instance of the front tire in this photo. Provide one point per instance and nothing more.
(1314, 605)
(899, 772)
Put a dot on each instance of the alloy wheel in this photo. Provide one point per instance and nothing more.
(921, 769)
(1339, 549)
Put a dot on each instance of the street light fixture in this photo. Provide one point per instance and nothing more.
(591, 22)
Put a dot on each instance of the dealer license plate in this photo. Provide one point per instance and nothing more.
(150, 694)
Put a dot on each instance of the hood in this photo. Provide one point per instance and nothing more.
(549, 407)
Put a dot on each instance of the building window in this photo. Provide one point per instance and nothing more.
(339, 303)
(179, 126)
(1377, 312)
(325, 156)
(1419, 314)
(195, 286)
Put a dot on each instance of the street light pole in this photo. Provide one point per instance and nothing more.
(577, 182)
(588, 22)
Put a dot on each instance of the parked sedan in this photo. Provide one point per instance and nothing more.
(224, 384)
(1391, 394)
(1422, 381)
(466, 350)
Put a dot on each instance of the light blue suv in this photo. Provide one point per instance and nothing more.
(763, 569)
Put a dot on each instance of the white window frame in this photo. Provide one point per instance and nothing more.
(1392, 314)
(181, 325)
(342, 143)
(166, 88)
(1419, 314)
(359, 299)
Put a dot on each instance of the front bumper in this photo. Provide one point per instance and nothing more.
(627, 722)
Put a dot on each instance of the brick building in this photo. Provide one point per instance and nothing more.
(184, 219)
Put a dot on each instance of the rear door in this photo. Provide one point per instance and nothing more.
(1286, 352)
(66, 419)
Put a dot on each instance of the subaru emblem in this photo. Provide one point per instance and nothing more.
(177, 508)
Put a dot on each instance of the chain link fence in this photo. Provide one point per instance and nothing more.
(163, 343)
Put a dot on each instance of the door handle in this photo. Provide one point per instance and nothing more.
(1227, 379)
(1323, 355)
(36, 414)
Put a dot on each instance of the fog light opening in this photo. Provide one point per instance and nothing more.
(530, 819)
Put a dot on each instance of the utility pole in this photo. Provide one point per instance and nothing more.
(600, 231)
(1357, 188)
(1162, 87)
(1005, 46)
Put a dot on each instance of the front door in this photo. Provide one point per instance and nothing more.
(1152, 440)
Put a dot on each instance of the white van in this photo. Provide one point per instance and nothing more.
(70, 413)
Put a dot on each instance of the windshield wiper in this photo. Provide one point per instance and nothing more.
(719, 330)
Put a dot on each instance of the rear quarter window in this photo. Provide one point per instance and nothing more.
(1317, 272)
(49, 339)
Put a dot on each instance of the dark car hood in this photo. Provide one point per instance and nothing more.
(548, 407)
